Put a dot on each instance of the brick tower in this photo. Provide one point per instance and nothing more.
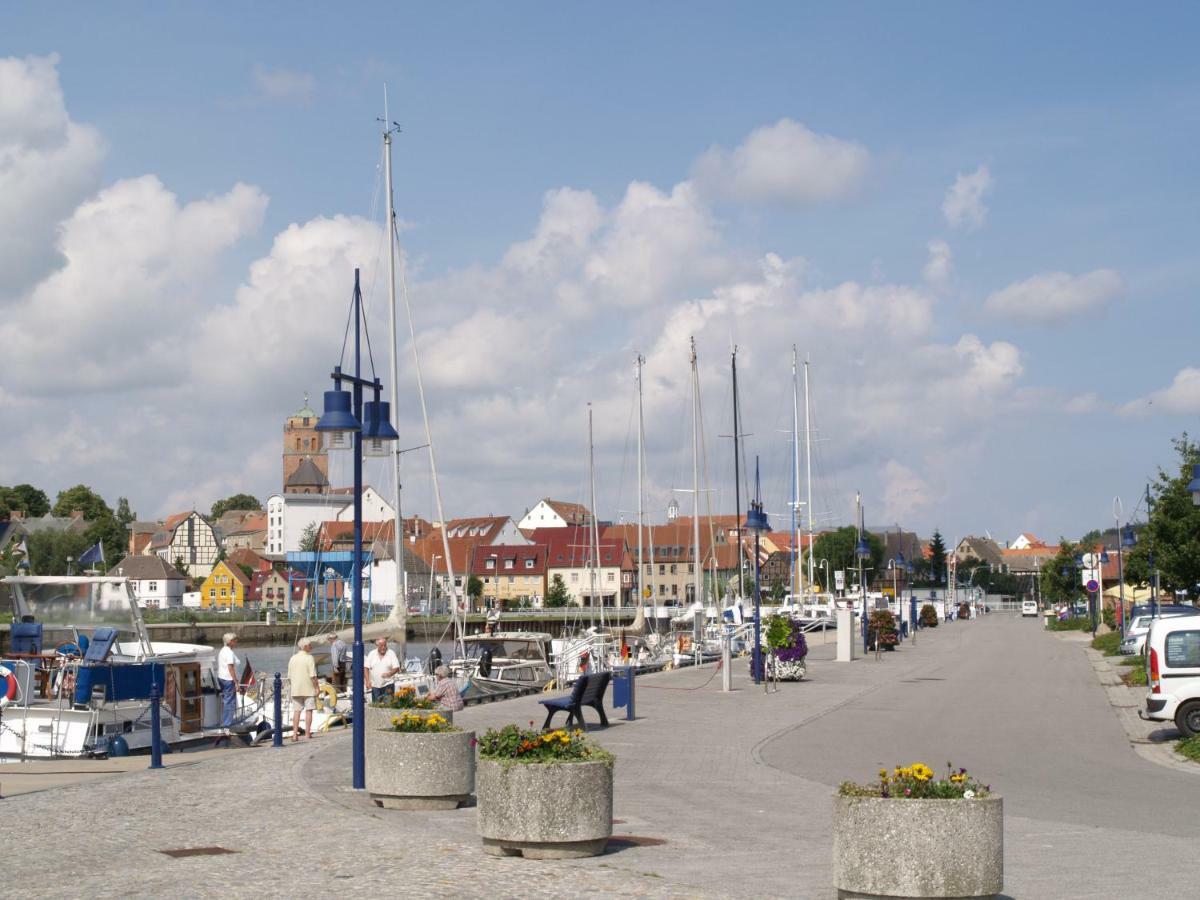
(302, 441)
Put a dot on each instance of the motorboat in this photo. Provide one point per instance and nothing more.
(504, 658)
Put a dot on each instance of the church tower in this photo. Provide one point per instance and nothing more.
(302, 441)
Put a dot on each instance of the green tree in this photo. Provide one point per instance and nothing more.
(25, 498)
(474, 590)
(557, 595)
(83, 498)
(839, 548)
(1057, 587)
(308, 538)
(124, 514)
(237, 501)
(49, 549)
(937, 557)
(113, 535)
(1171, 536)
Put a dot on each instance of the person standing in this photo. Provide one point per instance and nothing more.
(302, 682)
(380, 665)
(227, 664)
(337, 662)
(444, 691)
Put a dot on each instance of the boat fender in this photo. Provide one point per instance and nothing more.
(326, 696)
(8, 686)
(549, 686)
(118, 746)
(485, 663)
(435, 658)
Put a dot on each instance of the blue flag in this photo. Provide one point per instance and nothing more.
(92, 555)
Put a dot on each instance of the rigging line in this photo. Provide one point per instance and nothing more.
(625, 457)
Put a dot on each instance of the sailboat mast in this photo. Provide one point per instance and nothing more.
(808, 464)
(797, 580)
(401, 592)
(641, 441)
(594, 551)
(697, 567)
(737, 479)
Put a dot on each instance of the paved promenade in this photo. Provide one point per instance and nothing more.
(718, 795)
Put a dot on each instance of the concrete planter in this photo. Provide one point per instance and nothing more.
(414, 770)
(545, 811)
(918, 848)
(382, 718)
(786, 671)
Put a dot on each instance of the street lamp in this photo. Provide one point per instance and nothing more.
(495, 558)
(432, 569)
(895, 565)
(346, 424)
(862, 551)
(824, 564)
(756, 521)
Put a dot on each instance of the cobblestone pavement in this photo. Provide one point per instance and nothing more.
(718, 795)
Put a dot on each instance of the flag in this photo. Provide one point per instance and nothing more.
(23, 551)
(93, 554)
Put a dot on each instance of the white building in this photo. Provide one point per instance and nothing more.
(289, 515)
(375, 508)
(189, 540)
(155, 583)
(555, 514)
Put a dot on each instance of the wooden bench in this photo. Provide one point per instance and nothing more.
(587, 691)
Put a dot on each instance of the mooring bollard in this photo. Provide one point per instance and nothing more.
(155, 725)
(277, 738)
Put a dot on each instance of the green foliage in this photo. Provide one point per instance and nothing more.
(474, 588)
(237, 501)
(778, 589)
(308, 538)
(1136, 677)
(527, 745)
(557, 594)
(1109, 644)
(49, 549)
(917, 782)
(1189, 747)
(83, 498)
(937, 557)
(1057, 587)
(1079, 623)
(1172, 533)
(412, 722)
(124, 514)
(838, 547)
(1132, 661)
(929, 617)
(23, 498)
(882, 623)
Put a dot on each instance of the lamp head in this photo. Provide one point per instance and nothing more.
(338, 423)
(378, 433)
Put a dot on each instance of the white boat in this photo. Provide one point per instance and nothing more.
(504, 659)
(80, 671)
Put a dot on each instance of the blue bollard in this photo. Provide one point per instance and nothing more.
(277, 739)
(156, 741)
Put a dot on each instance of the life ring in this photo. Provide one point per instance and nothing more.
(327, 696)
(8, 686)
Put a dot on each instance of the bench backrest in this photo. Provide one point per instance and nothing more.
(578, 688)
(595, 687)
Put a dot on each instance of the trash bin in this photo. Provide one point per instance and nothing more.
(623, 689)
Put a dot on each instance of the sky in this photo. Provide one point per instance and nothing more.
(977, 222)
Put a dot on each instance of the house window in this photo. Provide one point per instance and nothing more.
(662, 570)
(672, 568)
(508, 564)
(529, 563)
(674, 590)
(152, 586)
(490, 564)
(510, 579)
(223, 592)
(691, 568)
(212, 593)
(662, 590)
(612, 576)
(574, 576)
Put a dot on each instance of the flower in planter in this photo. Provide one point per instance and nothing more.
(405, 698)
(929, 617)
(531, 746)
(917, 782)
(411, 722)
(786, 640)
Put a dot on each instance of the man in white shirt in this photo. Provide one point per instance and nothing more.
(379, 667)
(227, 663)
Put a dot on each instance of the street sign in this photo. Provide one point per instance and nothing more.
(839, 579)
(1092, 586)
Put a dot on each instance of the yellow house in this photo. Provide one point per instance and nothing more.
(226, 586)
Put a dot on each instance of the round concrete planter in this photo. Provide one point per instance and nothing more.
(918, 848)
(545, 811)
(416, 770)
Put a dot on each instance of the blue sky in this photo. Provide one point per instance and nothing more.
(1079, 119)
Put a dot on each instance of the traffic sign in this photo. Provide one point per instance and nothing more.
(1092, 586)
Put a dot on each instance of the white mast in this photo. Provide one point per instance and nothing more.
(594, 549)
(808, 464)
(401, 593)
(798, 581)
(699, 596)
(641, 465)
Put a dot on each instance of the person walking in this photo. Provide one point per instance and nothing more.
(227, 665)
(380, 665)
(337, 662)
(302, 681)
(444, 691)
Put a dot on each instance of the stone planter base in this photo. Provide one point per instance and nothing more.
(546, 811)
(420, 771)
(887, 848)
(787, 671)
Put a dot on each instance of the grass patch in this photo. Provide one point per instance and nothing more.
(1135, 677)
(1139, 661)
(1109, 644)
(1189, 747)
(1082, 623)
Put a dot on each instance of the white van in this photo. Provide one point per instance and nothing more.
(1029, 608)
(1173, 673)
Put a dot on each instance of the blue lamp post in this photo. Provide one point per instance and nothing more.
(1128, 539)
(756, 521)
(348, 423)
(862, 552)
(897, 566)
(1098, 611)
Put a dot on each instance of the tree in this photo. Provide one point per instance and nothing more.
(180, 565)
(49, 549)
(82, 498)
(24, 498)
(124, 514)
(113, 535)
(1170, 541)
(474, 590)
(557, 596)
(1057, 587)
(839, 548)
(778, 589)
(237, 501)
(308, 538)
(937, 557)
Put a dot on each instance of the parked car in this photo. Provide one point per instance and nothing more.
(1173, 673)
(1029, 608)
(1134, 642)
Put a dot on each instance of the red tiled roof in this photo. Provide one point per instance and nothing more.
(516, 554)
(570, 547)
(571, 513)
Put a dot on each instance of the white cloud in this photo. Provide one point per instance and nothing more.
(1083, 404)
(785, 164)
(939, 268)
(963, 206)
(1181, 397)
(48, 164)
(905, 493)
(282, 84)
(1055, 296)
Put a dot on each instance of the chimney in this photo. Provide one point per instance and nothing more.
(77, 514)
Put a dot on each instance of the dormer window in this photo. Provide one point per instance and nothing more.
(490, 564)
